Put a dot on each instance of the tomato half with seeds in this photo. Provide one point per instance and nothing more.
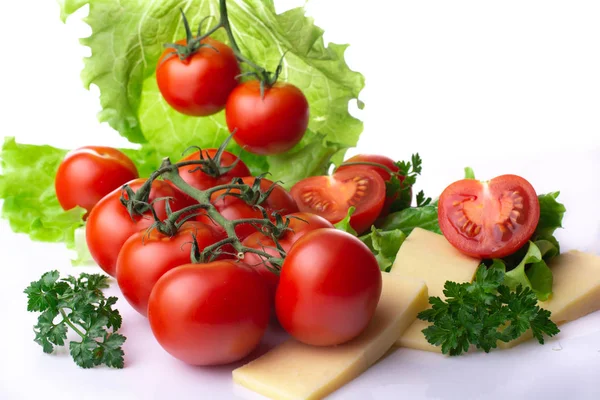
(201, 180)
(234, 208)
(332, 196)
(491, 219)
(145, 257)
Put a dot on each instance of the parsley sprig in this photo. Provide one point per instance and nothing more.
(401, 183)
(79, 304)
(484, 312)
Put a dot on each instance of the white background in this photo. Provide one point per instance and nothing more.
(504, 87)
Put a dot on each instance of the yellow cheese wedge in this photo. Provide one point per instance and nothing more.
(430, 257)
(297, 371)
(576, 289)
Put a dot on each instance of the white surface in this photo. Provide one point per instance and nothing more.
(505, 87)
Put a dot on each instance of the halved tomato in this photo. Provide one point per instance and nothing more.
(332, 196)
(490, 219)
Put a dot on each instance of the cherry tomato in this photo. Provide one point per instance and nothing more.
(332, 196)
(89, 173)
(384, 173)
(233, 208)
(298, 228)
(198, 179)
(144, 258)
(209, 314)
(109, 224)
(200, 84)
(489, 219)
(329, 287)
(270, 125)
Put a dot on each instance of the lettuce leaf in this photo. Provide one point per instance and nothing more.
(384, 245)
(27, 187)
(126, 42)
(532, 271)
(344, 225)
(425, 217)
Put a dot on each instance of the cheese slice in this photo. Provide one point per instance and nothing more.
(297, 371)
(576, 290)
(430, 257)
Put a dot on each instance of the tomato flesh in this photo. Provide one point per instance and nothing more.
(489, 219)
(209, 314)
(201, 181)
(144, 258)
(332, 196)
(329, 288)
(89, 173)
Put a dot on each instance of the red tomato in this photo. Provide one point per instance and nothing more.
(385, 175)
(144, 258)
(200, 84)
(89, 173)
(489, 219)
(259, 241)
(209, 314)
(270, 125)
(329, 287)
(109, 224)
(332, 196)
(202, 181)
(233, 208)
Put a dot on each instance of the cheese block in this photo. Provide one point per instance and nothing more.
(294, 370)
(576, 290)
(430, 257)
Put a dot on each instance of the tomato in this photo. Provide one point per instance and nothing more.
(259, 241)
(490, 219)
(385, 175)
(329, 287)
(270, 125)
(209, 314)
(200, 84)
(332, 196)
(89, 173)
(202, 181)
(144, 258)
(109, 224)
(234, 208)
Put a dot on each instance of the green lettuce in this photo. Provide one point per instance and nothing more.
(425, 217)
(384, 245)
(532, 272)
(127, 40)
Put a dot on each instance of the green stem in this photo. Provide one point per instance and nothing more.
(370, 164)
(71, 325)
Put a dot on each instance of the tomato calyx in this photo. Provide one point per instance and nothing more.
(208, 165)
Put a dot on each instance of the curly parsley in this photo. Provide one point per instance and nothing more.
(484, 312)
(79, 304)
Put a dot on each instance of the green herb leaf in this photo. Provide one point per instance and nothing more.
(484, 312)
(77, 303)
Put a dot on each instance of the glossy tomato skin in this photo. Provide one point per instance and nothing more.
(109, 224)
(270, 125)
(201, 84)
(144, 258)
(202, 181)
(329, 288)
(209, 314)
(257, 240)
(89, 173)
(489, 219)
(233, 208)
(332, 196)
